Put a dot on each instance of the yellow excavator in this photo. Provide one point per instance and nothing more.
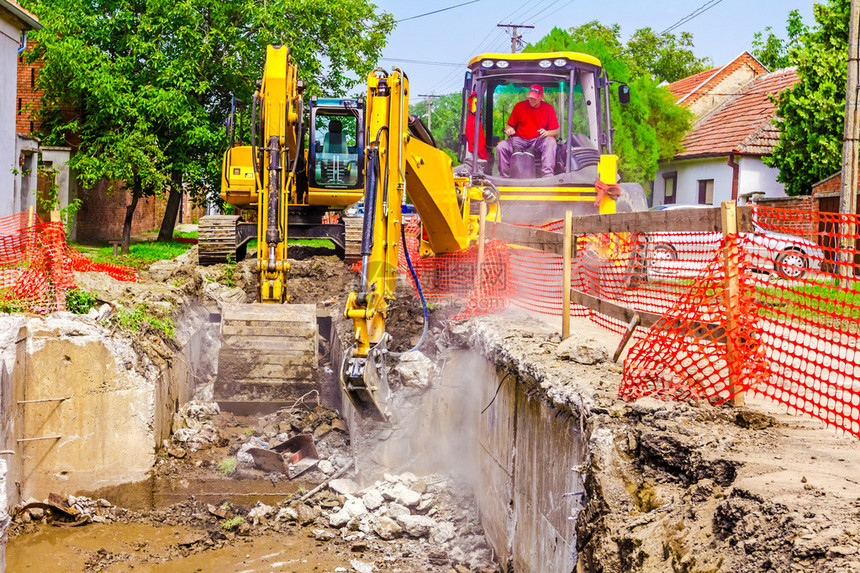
(267, 348)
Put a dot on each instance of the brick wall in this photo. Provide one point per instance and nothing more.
(28, 96)
(103, 212)
(806, 227)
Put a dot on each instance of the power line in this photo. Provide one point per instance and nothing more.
(697, 12)
(424, 62)
(437, 11)
(556, 11)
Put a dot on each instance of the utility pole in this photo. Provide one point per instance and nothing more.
(429, 98)
(516, 39)
(851, 138)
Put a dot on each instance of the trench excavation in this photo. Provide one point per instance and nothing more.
(506, 451)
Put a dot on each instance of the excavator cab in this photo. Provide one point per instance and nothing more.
(539, 182)
(336, 147)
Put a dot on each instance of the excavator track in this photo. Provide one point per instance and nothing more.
(352, 239)
(216, 239)
(268, 356)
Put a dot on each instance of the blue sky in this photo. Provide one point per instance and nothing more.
(455, 36)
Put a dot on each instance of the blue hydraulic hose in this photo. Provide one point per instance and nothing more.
(420, 295)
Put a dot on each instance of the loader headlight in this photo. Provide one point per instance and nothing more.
(487, 64)
(544, 63)
(560, 62)
(502, 64)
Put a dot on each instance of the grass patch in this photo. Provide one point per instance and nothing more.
(184, 234)
(232, 523)
(324, 243)
(227, 466)
(139, 319)
(10, 304)
(819, 302)
(140, 256)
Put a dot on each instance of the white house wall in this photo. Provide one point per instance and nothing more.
(10, 36)
(753, 176)
(757, 177)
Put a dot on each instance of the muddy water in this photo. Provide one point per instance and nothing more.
(146, 548)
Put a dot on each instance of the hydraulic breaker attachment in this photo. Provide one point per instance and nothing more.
(365, 381)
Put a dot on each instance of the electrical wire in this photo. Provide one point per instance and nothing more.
(554, 12)
(425, 62)
(697, 12)
(437, 11)
(499, 387)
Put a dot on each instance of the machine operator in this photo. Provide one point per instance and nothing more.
(532, 126)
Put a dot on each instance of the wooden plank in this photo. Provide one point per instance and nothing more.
(275, 344)
(669, 220)
(538, 239)
(732, 294)
(268, 328)
(695, 329)
(268, 312)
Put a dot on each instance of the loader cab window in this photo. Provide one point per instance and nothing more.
(335, 152)
(574, 97)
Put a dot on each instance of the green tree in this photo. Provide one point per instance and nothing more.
(650, 128)
(810, 115)
(152, 80)
(665, 57)
(773, 51)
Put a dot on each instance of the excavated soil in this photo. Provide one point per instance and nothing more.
(687, 486)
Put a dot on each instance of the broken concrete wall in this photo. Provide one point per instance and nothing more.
(490, 428)
(81, 408)
(531, 454)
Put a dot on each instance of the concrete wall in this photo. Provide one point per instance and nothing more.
(521, 456)
(753, 176)
(83, 411)
(9, 37)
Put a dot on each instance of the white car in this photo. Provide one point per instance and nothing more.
(789, 256)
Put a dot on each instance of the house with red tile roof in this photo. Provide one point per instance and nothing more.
(722, 156)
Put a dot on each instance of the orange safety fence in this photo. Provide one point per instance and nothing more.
(37, 265)
(762, 313)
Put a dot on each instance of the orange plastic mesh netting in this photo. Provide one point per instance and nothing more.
(37, 265)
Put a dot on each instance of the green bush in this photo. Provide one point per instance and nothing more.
(79, 301)
(139, 319)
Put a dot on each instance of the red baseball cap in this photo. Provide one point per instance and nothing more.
(537, 90)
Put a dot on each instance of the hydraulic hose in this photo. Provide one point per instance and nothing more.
(420, 295)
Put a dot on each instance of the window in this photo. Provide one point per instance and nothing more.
(706, 191)
(670, 187)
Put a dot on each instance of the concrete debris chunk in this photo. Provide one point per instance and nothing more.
(323, 535)
(416, 525)
(325, 467)
(343, 486)
(442, 532)
(259, 512)
(372, 500)
(387, 528)
(287, 514)
(416, 370)
(361, 566)
(582, 349)
(396, 510)
(339, 518)
(355, 507)
(408, 497)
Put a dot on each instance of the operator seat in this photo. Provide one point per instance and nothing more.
(334, 142)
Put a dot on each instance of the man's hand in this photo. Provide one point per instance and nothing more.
(548, 132)
(542, 132)
(510, 130)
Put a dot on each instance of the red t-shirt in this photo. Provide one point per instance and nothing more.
(527, 120)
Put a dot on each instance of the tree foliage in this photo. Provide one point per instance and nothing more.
(773, 51)
(650, 127)
(150, 82)
(811, 114)
(665, 57)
